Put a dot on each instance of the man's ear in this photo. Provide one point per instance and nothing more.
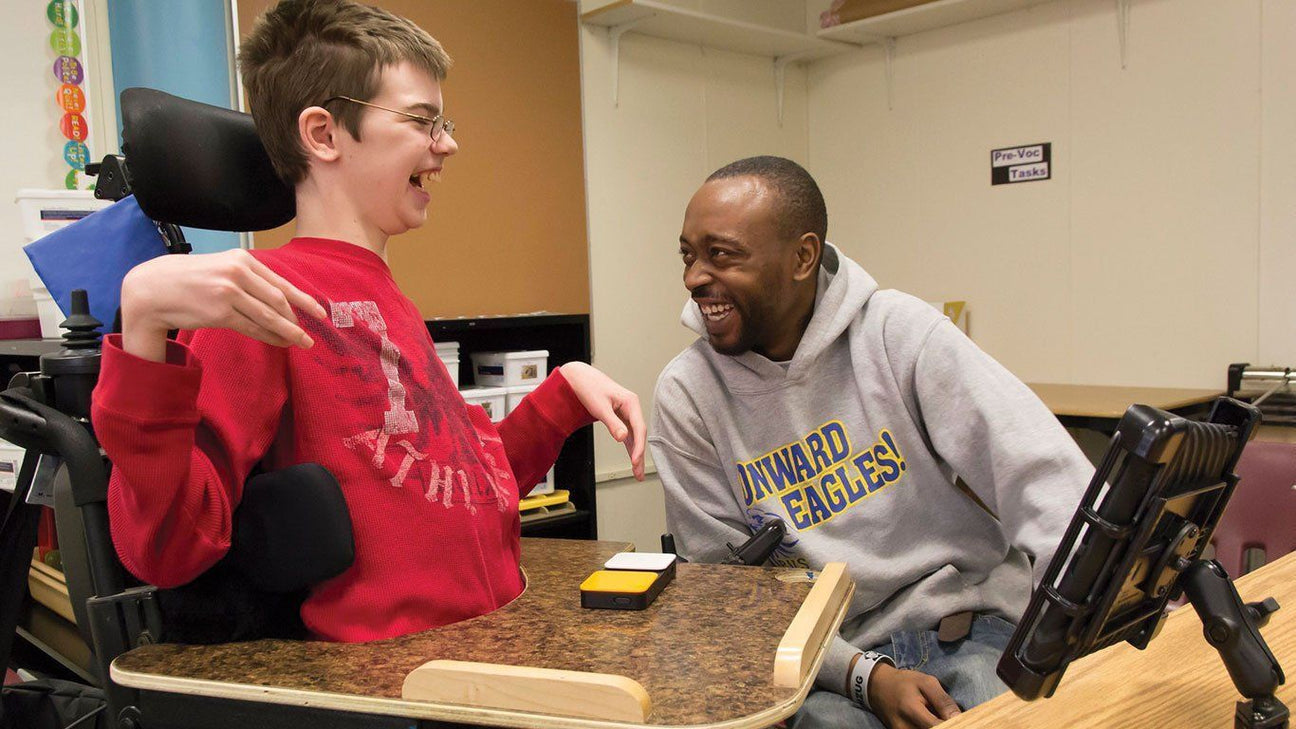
(318, 132)
(809, 251)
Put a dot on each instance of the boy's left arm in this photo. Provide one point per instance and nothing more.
(572, 397)
(1001, 440)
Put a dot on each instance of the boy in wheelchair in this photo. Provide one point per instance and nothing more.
(311, 353)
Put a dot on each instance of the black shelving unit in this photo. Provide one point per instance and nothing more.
(566, 337)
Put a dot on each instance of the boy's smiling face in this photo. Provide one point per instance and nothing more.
(390, 169)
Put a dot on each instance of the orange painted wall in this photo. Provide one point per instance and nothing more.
(506, 230)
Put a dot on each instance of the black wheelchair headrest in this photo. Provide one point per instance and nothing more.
(199, 165)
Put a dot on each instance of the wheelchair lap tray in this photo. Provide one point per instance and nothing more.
(631, 581)
(94, 254)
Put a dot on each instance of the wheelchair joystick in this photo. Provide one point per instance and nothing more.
(68, 376)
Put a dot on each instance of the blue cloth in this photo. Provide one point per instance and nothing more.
(965, 668)
(94, 254)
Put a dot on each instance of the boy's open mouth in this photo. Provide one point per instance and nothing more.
(424, 178)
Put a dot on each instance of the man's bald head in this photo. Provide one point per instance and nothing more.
(800, 207)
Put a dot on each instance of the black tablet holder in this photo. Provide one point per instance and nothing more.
(1134, 543)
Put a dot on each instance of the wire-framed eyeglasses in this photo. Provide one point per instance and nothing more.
(435, 124)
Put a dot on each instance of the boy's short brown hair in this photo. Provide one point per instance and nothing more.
(301, 53)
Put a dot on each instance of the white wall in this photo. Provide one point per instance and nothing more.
(683, 112)
(630, 511)
(1277, 301)
(1139, 263)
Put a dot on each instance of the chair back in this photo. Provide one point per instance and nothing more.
(1259, 525)
(199, 165)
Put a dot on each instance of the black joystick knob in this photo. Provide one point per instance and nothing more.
(74, 369)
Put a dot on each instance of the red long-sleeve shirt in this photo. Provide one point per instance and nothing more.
(431, 483)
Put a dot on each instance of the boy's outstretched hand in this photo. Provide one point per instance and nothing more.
(229, 290)
(614, 406)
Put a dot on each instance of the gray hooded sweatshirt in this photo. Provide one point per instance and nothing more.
(890, 442)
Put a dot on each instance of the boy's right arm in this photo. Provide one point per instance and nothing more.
(184, 423)
(230, 290)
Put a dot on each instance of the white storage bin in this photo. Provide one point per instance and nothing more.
(452, 366)
(514, 395)
(51, 316)
(10, 459)
(492, 399)
(448, 353)
(510, 369)
(45, 211)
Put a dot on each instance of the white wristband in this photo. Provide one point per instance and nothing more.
(861, 669)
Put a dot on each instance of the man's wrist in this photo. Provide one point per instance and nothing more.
(857, 675)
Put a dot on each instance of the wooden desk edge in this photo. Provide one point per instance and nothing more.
(1061, 406)
(377, 705)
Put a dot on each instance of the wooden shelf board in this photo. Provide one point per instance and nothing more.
(919, 18)
(691, 26)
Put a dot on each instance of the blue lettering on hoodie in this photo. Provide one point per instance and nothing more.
(821, 475)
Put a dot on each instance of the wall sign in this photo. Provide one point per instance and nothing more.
(1027, 163)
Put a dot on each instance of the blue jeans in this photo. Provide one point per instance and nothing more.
(965, 668)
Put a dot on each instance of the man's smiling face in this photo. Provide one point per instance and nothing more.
(737, 267)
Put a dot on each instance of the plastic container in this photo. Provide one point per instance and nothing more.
(492, 399)
(448, 353)
(510, 369)
(10, 459)
(513, 396)
(45, 211)
(452, 366)
(50, 315)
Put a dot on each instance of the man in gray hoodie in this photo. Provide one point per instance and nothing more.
(878, 432)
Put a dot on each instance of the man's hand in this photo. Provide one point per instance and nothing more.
(614, 406)
(908, 699)
(230, 290)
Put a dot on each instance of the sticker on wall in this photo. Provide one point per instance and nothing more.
(61, 13)
(67, 70)
(1028, 163)
(77, 155)
(74, 127)
(65, 42)
(70, 97)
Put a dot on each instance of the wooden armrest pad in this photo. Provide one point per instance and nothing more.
(522, 688)
(822, 611)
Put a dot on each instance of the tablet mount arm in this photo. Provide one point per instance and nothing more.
(1232, 628)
